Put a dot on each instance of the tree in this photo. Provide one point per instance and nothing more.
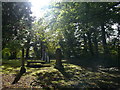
(90, 22)
(16, 22)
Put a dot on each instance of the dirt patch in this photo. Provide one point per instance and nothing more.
(24, 82)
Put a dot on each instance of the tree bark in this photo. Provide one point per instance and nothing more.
(27, 52)
(90, 43)
(41, 49)
(23, 61)
(104, 39)
(85, 43)
(27, 48)
(118, 45)
(96, 44)
(36, 51)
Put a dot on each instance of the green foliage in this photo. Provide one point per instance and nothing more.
(19, 54)
(18, 18)
(16, 25)
(83, 30)
(79, 25)
(6, 53)
(78, 28)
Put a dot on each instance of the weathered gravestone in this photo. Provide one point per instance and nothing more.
(45, 56)
(58, 55)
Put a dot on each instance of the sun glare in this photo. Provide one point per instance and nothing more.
(37, 6)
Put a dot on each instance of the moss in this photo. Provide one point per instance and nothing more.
(49, 77)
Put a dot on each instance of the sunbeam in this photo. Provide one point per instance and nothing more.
(37, 6)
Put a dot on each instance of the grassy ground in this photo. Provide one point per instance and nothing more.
(73, 76)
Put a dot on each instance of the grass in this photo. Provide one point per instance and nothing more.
(13, 63)
(49, 77)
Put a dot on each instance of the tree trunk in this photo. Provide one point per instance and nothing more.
(90, 43)
(104, 40)
(96, 43)
(37, 52)
(118, 45)
(27, 52)
(41, 50)
(23, 61)
(27, 48)
(85, 43)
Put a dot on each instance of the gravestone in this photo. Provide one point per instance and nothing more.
(45, 56)
(58, 55)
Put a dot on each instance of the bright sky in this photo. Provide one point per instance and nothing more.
(37, 10)
(37, 6)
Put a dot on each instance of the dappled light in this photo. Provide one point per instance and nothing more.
(49, 77)
(56, 45)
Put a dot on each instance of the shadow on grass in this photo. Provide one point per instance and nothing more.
(19, 75)
(66, 75)
(94, 63)
(11, 63)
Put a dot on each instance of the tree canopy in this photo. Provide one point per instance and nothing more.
(78, 28)
(73, 45)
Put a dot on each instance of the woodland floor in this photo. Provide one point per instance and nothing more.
(73, 76)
